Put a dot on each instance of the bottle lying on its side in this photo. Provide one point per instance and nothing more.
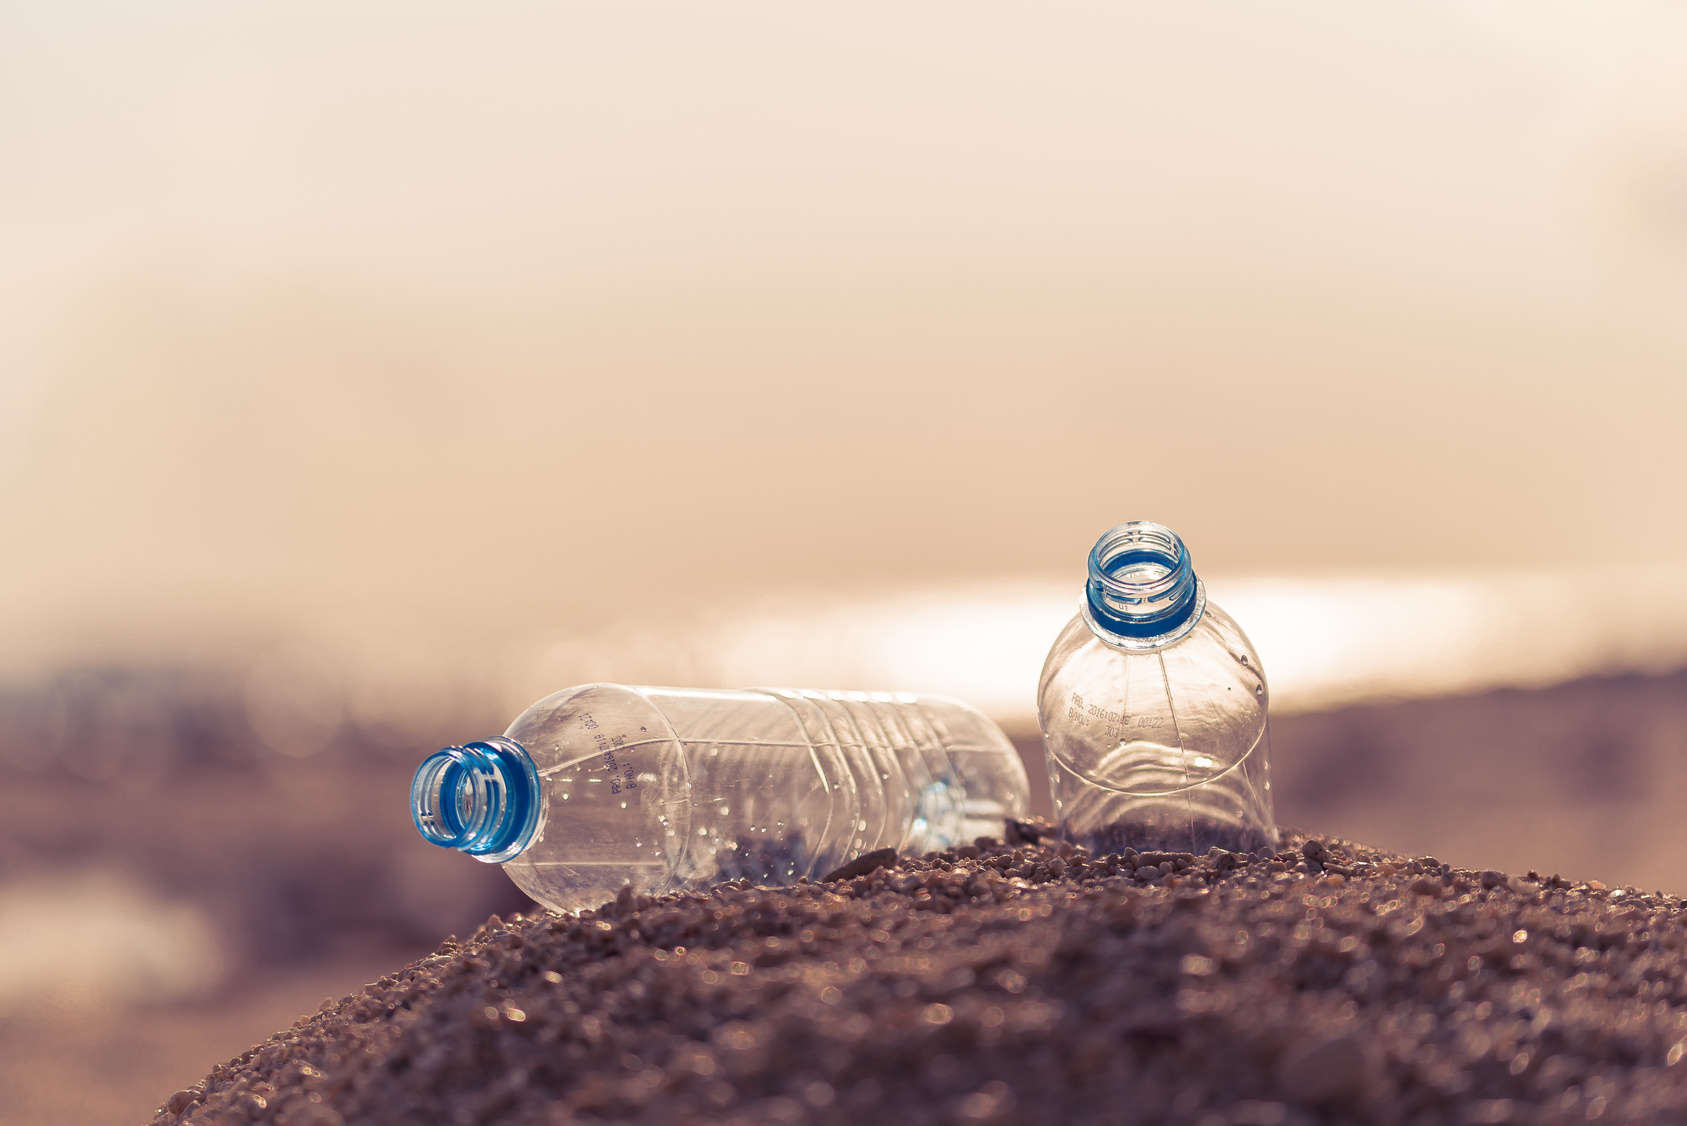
(602, 786)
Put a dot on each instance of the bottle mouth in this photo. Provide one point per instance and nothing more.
(481, 798)
(1142, 591)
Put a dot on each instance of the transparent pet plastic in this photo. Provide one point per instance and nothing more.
(602, 786)
(1153, 707)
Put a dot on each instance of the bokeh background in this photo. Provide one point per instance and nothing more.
(368, 370)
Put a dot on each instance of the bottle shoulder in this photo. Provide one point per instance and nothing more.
(587, 719)
(1214, 662)
(1157, 722)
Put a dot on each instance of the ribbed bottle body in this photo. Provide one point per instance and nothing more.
(1159, 749)
(665, 789)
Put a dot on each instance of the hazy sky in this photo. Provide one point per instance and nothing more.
(463, 322)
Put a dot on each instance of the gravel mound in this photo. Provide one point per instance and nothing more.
(1020, 983)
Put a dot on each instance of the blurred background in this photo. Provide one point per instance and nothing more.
(370, 370)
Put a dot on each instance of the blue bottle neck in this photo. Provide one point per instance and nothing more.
(481, 798)
(1142, 591)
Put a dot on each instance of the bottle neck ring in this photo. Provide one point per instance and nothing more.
(481, 798)
(1142, 591)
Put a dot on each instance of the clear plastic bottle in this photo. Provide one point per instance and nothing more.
(1153, 709)
(603, 786)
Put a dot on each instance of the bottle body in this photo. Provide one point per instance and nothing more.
(1156, 738)
(664, 789)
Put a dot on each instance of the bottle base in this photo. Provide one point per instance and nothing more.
(1195, 836)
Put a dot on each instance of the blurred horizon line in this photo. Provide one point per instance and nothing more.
(1327, 642)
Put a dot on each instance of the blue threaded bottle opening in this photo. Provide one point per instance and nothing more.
(1142, 591)
(482, 798)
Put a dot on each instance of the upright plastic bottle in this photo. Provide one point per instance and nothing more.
(1153, 709)
(602, 786)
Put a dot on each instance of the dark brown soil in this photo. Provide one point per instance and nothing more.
(1020, 984)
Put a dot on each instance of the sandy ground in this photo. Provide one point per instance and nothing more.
(1026, 983)
(309, 877)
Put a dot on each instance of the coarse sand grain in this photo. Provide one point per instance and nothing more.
(1020, 982)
